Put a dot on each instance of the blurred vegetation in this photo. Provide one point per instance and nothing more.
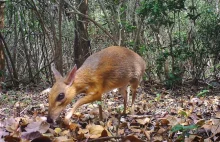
(179, 39)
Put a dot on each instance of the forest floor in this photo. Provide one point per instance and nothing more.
(188, 113)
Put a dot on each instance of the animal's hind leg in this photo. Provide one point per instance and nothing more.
(134, 84)
(123, 92)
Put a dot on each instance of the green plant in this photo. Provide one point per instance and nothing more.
(184, 129)
(202, 93)
(158, 97)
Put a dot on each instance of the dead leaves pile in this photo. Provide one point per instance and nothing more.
(159, 117)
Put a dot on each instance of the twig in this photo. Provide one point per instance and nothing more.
(24, 109)
(106, 138)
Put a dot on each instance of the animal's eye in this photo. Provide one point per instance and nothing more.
(60, 96)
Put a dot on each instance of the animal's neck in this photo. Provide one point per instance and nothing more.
(81, 82)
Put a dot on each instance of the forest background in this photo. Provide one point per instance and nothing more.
(179, 39)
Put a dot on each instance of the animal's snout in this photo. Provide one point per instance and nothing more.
(49, 120)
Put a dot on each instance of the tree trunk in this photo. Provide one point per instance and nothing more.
(25, 47)
(2, 58)
(58, 47)
(81, 41)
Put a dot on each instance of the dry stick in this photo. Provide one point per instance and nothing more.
(100, 112)
(106, 138)
(24, 109)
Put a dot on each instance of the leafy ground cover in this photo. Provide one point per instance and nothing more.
(188, 113)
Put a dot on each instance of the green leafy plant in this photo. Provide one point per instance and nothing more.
(202, 93)
(158, 97)
(184, 129)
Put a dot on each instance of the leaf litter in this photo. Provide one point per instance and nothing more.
(161, 115)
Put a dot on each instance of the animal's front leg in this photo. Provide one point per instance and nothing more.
(87, 99)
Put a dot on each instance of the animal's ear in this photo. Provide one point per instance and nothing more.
(57, 74)
(71, 75)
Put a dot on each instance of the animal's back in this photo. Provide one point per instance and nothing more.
(113, 67)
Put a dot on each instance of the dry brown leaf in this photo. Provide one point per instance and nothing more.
(164, 122)
(63, 139)
(3, 133)
(12, 124)
(121, 131)
(42, 139)
(42, 127)
(193, 138)
(158, 137)
(83, 131)
(215, 129)
(161, 130)
(131, 138)
(207, 127)
(73, 126)
(65, 133)
(147, 134)
(217, 115)
(196, 101)
(104, 133)
(208, 140)
(143, 121)
(135, 130)
(57, 130)
(94, 131)
(200, 123)
(12, 139)
(173, 120)
(31, 135)
(215, 121)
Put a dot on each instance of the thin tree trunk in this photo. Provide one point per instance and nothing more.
(58, 49)
(15, 74)
(2, 57)
(26, 54)
(81, 41)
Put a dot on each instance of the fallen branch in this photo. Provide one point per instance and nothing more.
(106, 138)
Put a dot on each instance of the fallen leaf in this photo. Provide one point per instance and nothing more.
(12, 124)
(172, 120)
(42, 127)
(158, 138)
(30, 135)
(135, 130)
(95, 131)
(143, 121)
(57, 130)
(217, 115)
(161, 130)
(147, 134)
(63, 139)
(131, 138)
(73, 126)
(200, 123)
(3, 133)
(42, 139)
(12, 139)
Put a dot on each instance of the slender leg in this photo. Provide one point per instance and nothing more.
(134, 85)
(84, 100)
(123, 92)
(100, 112)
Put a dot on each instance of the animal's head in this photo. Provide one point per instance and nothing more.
(61, 94)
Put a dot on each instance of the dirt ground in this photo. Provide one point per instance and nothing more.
(158, 111)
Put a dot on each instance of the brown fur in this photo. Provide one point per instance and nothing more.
(110, 68)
